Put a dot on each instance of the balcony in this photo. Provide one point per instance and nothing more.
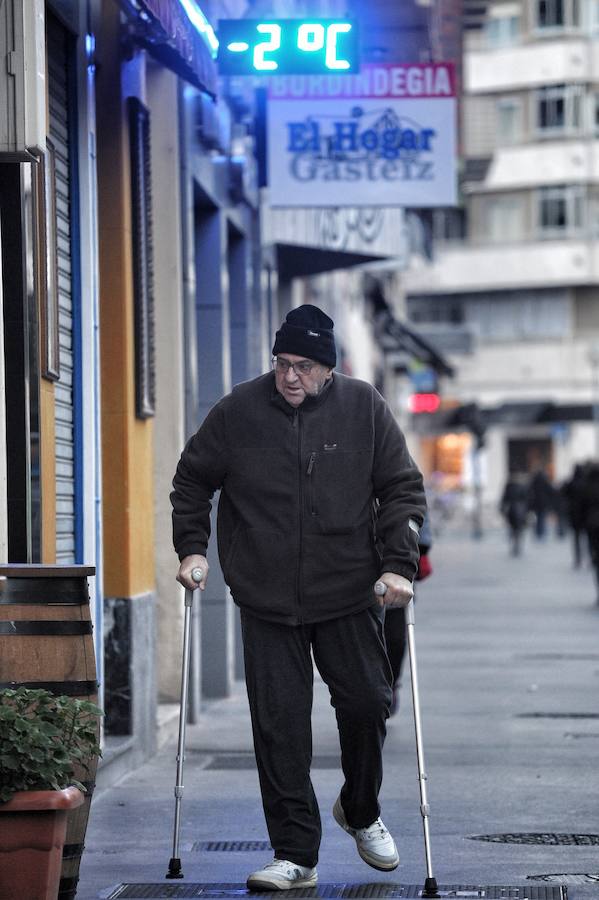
(531, 65)
(540, 165)
(470, 268)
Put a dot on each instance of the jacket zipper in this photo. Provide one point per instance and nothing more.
(309, 470)
(297, 421)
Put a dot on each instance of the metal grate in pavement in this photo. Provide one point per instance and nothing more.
(550, 839)
(339, 891)
(568, 877)
(557, 715)
(580, 735)
(231, 846)
(552, 656)
(226, 761)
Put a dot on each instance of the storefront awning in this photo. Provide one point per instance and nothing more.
(166, 30)
(524, 413)
(513, 413)
(397, 335)
(299, 261)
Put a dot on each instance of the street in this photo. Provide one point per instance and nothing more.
(508, 662)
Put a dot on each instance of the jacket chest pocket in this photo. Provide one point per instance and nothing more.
(339, 489)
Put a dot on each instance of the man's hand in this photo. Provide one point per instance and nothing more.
(188, 563)
(399, 590)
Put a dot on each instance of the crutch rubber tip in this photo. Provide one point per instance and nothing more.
(174, 868)
(430, 888)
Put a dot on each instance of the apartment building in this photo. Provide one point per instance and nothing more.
(514, 282)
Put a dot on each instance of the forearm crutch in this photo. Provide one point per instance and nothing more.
(174, 866)
(430, 885)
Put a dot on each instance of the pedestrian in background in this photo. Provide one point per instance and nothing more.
(514, 508)
(395, 617)
(300, 456)
(541, 501)
(589, 505)
(573, 493)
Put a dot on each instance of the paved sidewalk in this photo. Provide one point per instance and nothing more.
(508, 654)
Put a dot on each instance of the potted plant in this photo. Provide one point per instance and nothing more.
(43, 739)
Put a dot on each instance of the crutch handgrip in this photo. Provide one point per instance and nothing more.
(380, 588)
(197, 574)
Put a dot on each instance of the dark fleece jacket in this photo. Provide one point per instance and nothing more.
(299, 488)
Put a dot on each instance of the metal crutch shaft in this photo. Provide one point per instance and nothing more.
(430, 885)
(174, 867)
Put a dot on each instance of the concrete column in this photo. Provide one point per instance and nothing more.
(127, 441)
(214, 371)
(169, 422)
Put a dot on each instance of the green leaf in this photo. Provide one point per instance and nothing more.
(42, 737)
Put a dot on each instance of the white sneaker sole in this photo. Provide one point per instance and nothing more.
(266, 883)
(382, 863)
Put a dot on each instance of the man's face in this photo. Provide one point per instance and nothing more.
(294, 386)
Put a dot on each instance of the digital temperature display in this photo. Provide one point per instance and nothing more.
(287, 46)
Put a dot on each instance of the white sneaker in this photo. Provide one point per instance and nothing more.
(375, 844)
(281, 875)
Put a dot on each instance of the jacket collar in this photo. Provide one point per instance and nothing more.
(310, 402)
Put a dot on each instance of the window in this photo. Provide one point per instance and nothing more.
(509, 121)
(504, 216)
(596, 115)
(558, 14)
(520, 315)
(449, 224)
(436, 310)
(503, 28)
(593, 214)
(591, 10)
(561, 210)
(558, 108)
(550, 13)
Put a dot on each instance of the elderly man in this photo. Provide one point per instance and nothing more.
(319, 500)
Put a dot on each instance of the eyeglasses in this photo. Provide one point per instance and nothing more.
(303, 367)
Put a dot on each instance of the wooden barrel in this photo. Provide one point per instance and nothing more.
(46, 642)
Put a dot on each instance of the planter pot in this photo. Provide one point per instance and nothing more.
(32, 833)
(49, 644)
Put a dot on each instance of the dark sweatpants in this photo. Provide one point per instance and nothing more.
(350, 655)
(396, 639)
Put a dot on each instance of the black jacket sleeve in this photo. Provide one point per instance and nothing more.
(200, 472)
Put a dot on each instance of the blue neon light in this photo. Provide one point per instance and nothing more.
(238, 46)
(201, 23)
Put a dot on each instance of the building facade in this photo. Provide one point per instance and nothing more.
(131, 301)
(514, 282)
(142, 275)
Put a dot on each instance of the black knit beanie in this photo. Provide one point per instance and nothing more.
(307, 331)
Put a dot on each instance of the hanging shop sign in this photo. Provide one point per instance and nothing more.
(383, 137)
